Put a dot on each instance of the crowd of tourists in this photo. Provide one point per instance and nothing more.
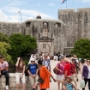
(39, 72)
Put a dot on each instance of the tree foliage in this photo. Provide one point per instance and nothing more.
(4, 38)
(21, 45)
(82, 48)
(4, 47)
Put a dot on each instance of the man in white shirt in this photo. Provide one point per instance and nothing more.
(4, 70)
(46, 63)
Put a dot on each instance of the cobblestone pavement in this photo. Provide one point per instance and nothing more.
(53, 85)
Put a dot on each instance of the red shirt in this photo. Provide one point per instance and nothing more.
(73, 68)
(68, 69)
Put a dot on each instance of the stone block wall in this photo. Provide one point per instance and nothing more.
(77, 24)
(12, 85)
(9, 28)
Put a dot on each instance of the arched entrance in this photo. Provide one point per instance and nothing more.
(46, 48)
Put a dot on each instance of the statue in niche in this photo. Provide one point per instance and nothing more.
(45, 25)
(45, 32)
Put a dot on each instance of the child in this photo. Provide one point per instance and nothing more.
(68, 83)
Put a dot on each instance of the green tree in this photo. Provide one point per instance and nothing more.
(4, 47)
(21, 45)
(82, 48)
(4, 38)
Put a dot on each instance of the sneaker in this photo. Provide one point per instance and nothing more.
(7, 88)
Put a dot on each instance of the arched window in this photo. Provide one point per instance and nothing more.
(44, 45)
(45, 24)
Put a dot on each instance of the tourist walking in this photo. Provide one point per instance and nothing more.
(82, 63)
(60, 68)
(32, 71)
(67, 69)
(4, 70)
(68, 83)
(86, 74)
(73, 71)
(55, 56)
(44, 77)
(20, 74)
(48, 56)
(46, 63)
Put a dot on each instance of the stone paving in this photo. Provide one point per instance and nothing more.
(54, 84)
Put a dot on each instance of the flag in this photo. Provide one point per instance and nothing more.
(63, 1)
(19, 12)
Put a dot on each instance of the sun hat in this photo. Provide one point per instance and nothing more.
(70, 77)
(32, 59)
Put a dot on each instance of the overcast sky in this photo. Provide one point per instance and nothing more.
(48, 9)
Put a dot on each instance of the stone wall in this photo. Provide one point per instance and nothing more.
(77, 24)
(13, 82)
(10, 28)
(35, 28)
(70, 26)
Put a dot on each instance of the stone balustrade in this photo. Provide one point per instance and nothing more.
(12, 82)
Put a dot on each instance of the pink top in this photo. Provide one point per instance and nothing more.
(61, 67)
(4, 64)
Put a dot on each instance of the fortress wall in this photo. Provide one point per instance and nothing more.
(9, 28)
(69, 18)
(84, 22)
(77, 24)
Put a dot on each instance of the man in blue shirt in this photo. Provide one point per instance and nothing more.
(32, 71)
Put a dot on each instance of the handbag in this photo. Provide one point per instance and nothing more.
(82, 84)
(40, 80)
(55, 71)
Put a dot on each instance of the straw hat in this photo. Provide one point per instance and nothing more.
(70, 77)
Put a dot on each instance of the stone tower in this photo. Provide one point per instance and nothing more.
(77, 24)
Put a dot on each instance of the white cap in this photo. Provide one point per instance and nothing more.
(32, 59)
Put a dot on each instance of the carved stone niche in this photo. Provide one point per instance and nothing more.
(57, 25)
(45, 25)
(45, 32)
(28, 24)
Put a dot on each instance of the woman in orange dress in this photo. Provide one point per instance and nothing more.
(45, 75)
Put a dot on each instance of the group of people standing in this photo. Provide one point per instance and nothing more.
(39, 72)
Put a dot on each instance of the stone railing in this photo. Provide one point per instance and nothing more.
(12, 83)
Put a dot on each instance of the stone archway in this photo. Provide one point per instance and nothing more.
(45, 47)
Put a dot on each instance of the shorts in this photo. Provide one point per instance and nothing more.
(18, 78)
(32, 80)
(60, 77)
(74, 78)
